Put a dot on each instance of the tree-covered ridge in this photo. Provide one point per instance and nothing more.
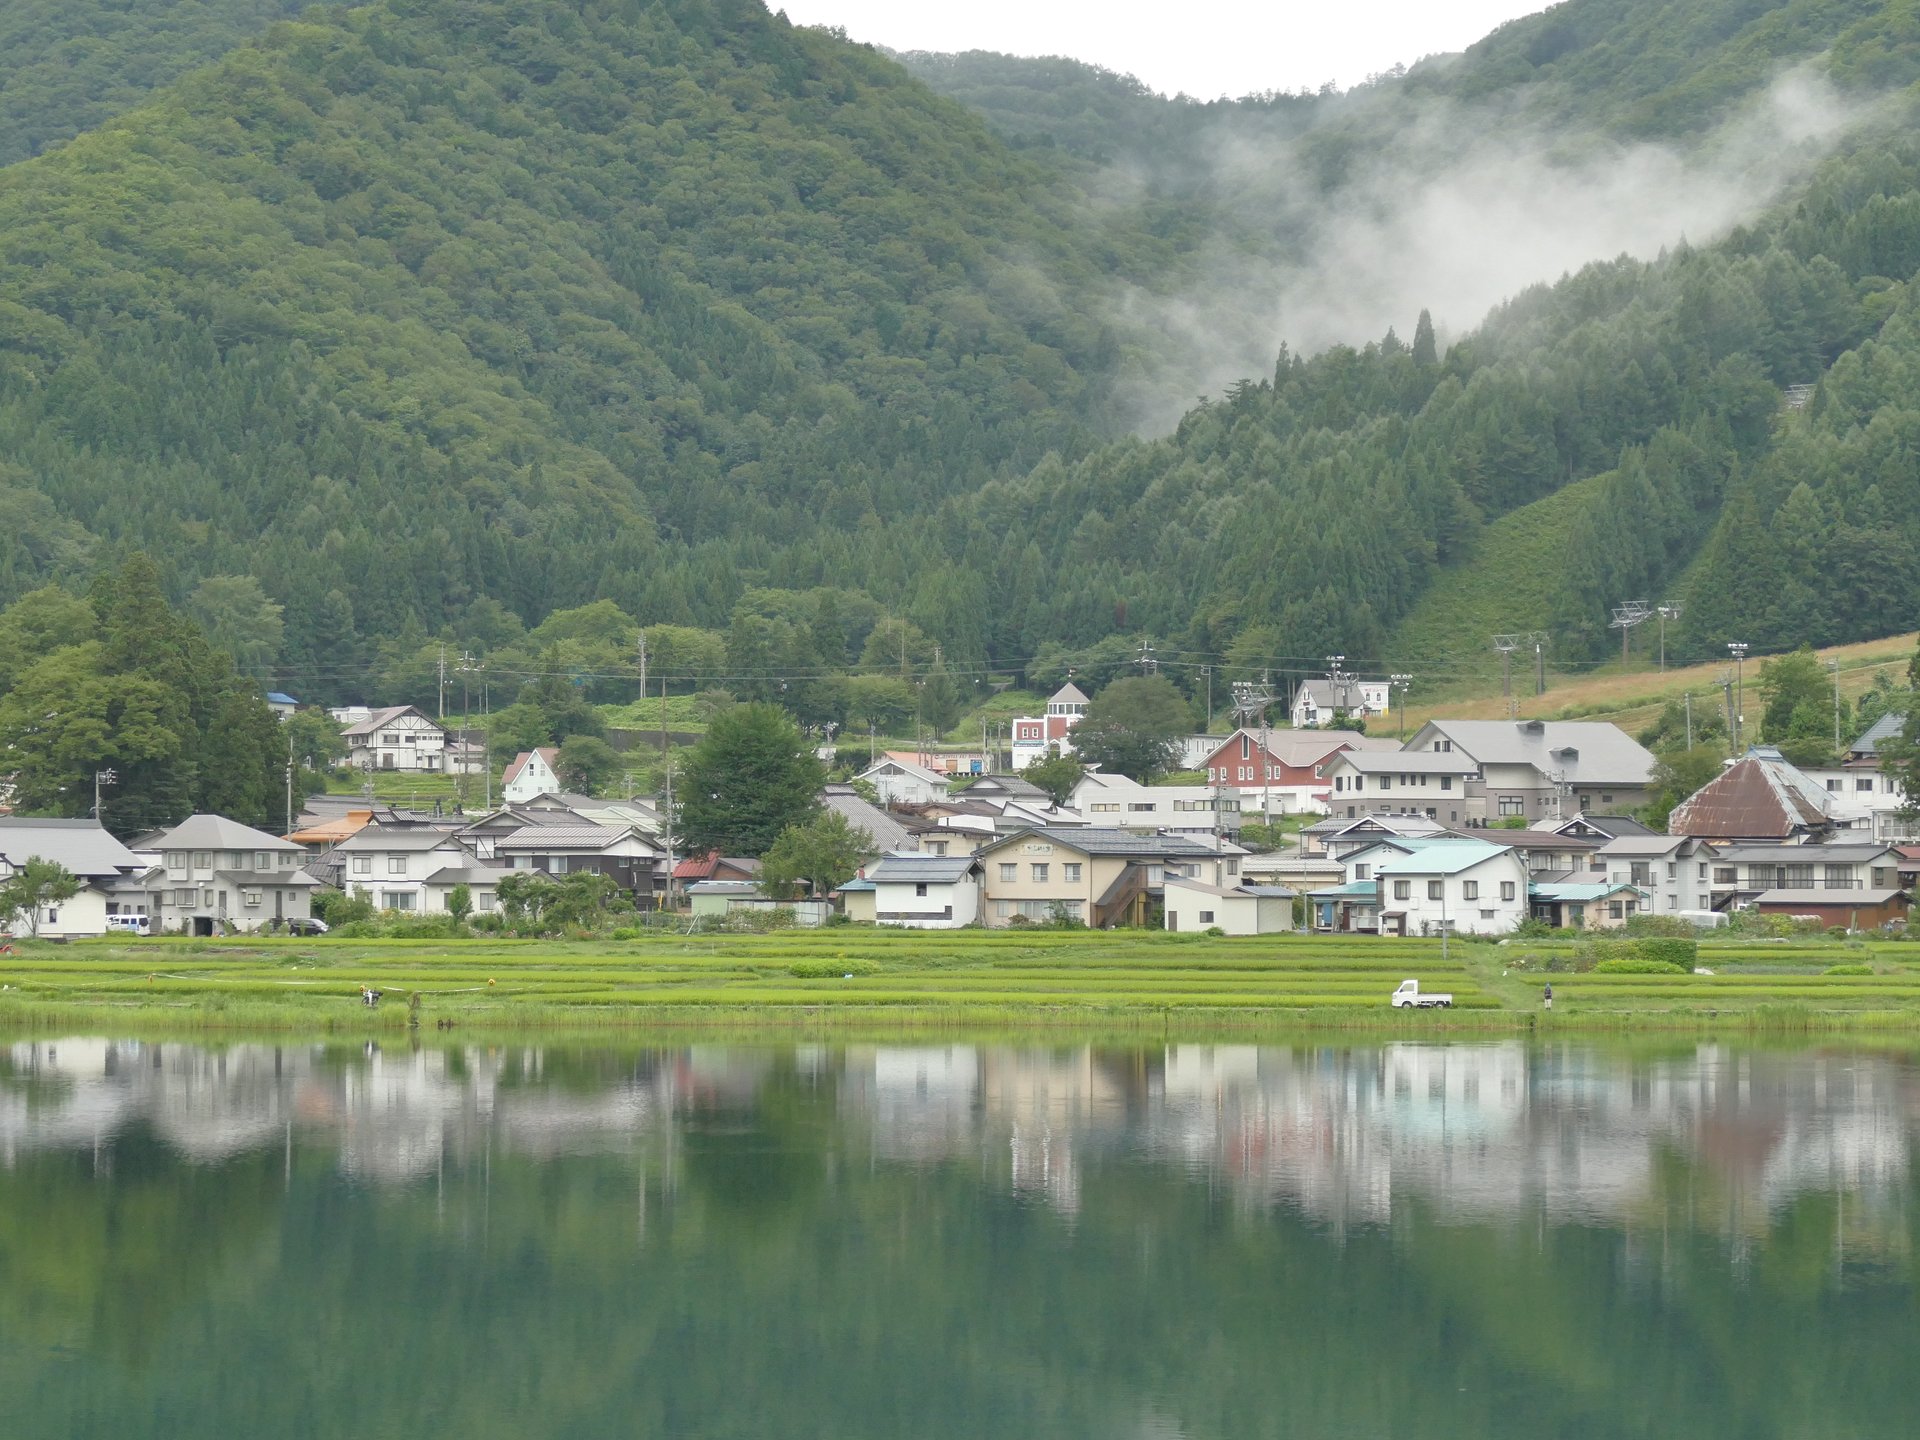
(429, 301)
(68, 65)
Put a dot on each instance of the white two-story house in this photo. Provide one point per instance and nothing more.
(412, 868)
(396, 738)
(215, 876)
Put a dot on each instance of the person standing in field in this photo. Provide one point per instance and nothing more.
(1549, 995)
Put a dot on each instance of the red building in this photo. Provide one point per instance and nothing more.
(1286, 768)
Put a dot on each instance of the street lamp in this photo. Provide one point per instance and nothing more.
(1738, 648)
(109, 776)
(1666, 613)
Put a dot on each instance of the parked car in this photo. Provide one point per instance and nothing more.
(307, 927)
(129, 925)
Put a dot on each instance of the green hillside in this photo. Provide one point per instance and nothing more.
(67, 66)
(1504, 583)
(411, 326)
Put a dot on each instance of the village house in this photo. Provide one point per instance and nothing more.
(621, 852)
(1247, 909)
(396, 738)
(1765, 876)
(715, 866)
(216, 876)
(926, 892)
(1340, 835)
(1587, 905)
(904, 782)
(1037, 736)
(1758, 799)
(1461, 886)
(530, 775)
(1102, 877)
(1868, 799)
(1674, 872)
(1105, 799)
(1284, 770)
(1321, 702)
(396, 866)
(112, 877)
(1435, 786)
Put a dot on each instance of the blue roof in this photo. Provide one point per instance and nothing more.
(1448, 857)
(1579, 892)
(1352, 890)
(276, 697)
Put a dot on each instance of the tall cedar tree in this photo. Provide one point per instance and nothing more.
(1133, 727)
(750, 777)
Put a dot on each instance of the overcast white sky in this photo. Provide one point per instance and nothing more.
(1229, 47)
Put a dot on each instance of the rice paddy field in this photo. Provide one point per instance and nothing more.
(850, 978)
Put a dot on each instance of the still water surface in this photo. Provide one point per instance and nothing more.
(1203, 1241)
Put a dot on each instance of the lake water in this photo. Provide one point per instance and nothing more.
(930, 1241)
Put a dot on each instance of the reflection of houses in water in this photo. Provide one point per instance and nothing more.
(1724, 1138)
(393, 1114)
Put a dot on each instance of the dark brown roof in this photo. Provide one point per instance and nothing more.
(1759, 796)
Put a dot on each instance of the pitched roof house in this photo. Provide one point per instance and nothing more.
(1101, 876)
(111, 875)
(531, 774)
(399, 737)
(1760, 797)
(217, 876)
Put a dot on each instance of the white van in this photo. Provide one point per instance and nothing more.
(128, 925)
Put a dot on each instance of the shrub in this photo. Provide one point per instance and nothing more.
(1213, 930)
(1848, 970)
(1638, 965)
(1668, 951)
(1669, 925)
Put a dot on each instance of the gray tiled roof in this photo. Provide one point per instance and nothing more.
(266, 879)
(216, 832)
(1887, 727)
(563, 837)
(1606, 753)
(888, 833)
(932, 869)
(1098, 840)
(405, 837)
(82, 847)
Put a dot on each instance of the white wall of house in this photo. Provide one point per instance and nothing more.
(408, 741)
(1190, 910)
(534, 778)
(897, 785)
(1489, 898)
(927, 905)
(80, 915)
(396, 879)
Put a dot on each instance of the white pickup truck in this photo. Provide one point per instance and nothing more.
(1409, 994)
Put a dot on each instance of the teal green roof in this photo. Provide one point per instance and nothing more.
(1579, 893)
(1352, 890)
(1443, 857)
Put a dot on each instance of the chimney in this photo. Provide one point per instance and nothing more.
(1533, 727)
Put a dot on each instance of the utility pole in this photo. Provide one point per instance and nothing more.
(1834, 665)
(667, 813)
(1688, 698)
(1726, 690)
(1666, 613)
(1739, 651)
(1400, 683)
(1206, 672)
(289, 784)
(1250, 700)
(443, 680)
(1148, 665)
(109, 776)
(643, 664)
(1334, 677)
(1539, 664)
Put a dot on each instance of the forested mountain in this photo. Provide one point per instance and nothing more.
(440, 316)
(66, 66)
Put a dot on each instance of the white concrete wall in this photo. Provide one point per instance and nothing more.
(1465, 915)
(897, 898)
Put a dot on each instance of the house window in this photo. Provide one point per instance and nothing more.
(1470, 889)
(176, 859)
(1070, 872)
(1436, 889)
(250, 897)
(920, 890)
(1725, 875)
(1137, 805)
(1403, 889)
(1616, 910)
(557, 865)
(1206, 917)
(396, 864)
(202, 859)
(1009, 873)
(1833, 784)
(1513, 805)
(1839, 877)
(1039, 874)
(1673, 872)
(1506, 890)
(1446, 782)
(262, 860)
(1640, 872)
(1864, 784)
(1883, 878)
(1360, 871)
(398, 900)
(363, 865)
(483, 900)
(286, 860)
(183, 899)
